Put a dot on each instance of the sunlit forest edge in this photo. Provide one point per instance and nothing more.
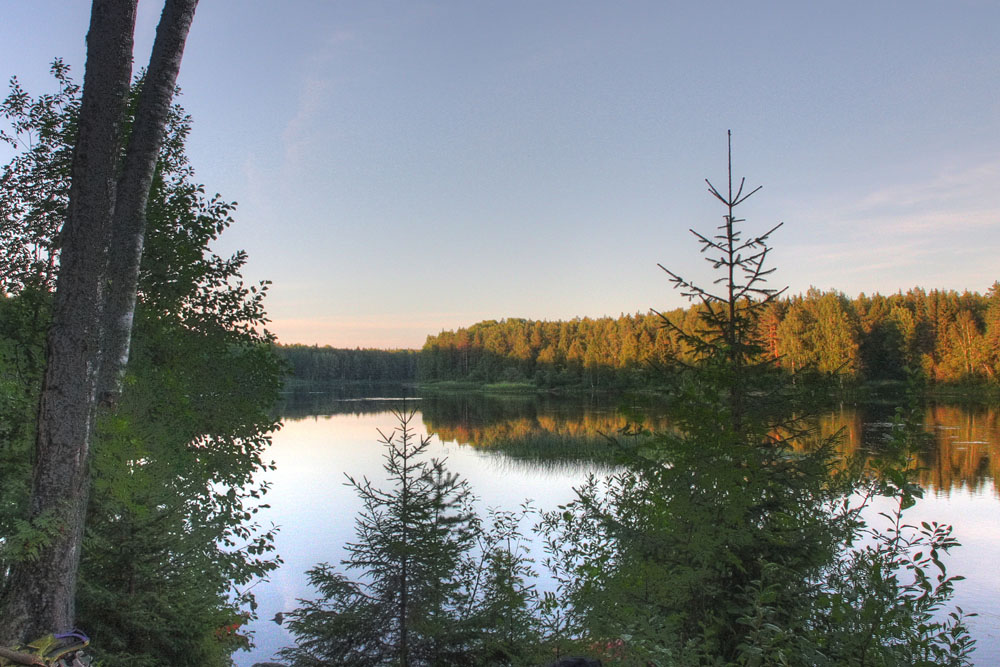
(948, 337)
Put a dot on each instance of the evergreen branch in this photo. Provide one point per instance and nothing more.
(715, 193)
(740, 190)
(748, 195)
(706, 242)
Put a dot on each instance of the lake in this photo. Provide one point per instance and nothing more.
(516, 448)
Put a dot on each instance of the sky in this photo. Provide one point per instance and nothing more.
(404, 168)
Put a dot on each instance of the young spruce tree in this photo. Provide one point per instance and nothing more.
(717, 541)
(438, 587)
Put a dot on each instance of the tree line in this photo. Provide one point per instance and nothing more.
(946, 335)
(315, 364)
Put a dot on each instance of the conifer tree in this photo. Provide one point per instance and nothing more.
(435, 582)
(720, 542)
(697, 516)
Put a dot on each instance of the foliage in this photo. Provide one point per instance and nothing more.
(34, 185)
(21, 358)
(171, 547)
(883, 599)
(439, 587)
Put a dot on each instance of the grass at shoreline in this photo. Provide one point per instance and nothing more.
(981, 392)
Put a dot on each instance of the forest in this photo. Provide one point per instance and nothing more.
(946, 336)
(949, 337)
(314, 364)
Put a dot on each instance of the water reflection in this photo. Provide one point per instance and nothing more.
(957, 454)
(547, 430)
(512, 448)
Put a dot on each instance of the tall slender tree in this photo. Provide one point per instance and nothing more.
(102, 240)
(662, 557)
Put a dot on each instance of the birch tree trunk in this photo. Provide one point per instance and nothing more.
(105, 220)
(128, 229)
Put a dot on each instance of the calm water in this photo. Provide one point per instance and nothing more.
(513, 449)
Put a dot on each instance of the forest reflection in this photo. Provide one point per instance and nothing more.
(546, 431)
(957, 454)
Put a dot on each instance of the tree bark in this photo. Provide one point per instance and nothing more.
(128, 229)
(102, 245)
(39, 596)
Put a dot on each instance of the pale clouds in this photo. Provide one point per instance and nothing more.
(306, 126)
(300, 131)
(941, 231)
(949, 186)
(952, 200)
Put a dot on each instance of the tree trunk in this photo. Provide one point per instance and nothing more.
(128, 229)
(39, 597)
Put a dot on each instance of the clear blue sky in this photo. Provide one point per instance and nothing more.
(407, 167)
